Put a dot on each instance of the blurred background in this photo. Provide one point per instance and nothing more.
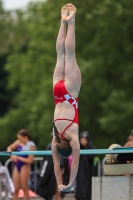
(104, 51)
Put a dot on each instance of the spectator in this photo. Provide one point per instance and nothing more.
(129, 142)
(65, 173)
(48, 185)
(85, 170)
(131, 133)
(65, 177)
(47, 178)
(21, 172)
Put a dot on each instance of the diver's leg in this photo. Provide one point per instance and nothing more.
(60, 47)
(72, 72)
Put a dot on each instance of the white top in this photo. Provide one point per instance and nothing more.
(27, 146)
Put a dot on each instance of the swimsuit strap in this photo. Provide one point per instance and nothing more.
(62, 134)
(63, 119)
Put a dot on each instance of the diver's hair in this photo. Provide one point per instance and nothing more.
(63, 145)
(64, 148)
(56, 133)
(24, 133)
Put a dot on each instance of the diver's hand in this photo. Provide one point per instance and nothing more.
(67, 188)
(60, 187)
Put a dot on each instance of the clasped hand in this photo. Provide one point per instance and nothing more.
(14, 158)
(64, 188)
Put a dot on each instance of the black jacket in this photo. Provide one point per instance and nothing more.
(47, 177)
(84, 175)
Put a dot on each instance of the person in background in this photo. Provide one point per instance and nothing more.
(65, 173)
(65, 178)
(131, 133)
(85, 170)
(48, 186)
(129, 142)
(21, 172)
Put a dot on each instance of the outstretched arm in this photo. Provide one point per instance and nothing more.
(75, 162)
(57, 170)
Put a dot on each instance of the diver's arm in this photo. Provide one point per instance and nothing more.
(56, 160)
(75, 159)
(75, 162)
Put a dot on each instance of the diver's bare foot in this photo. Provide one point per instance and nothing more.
(72, 12)
(64, 12)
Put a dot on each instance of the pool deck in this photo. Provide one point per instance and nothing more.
(69, 196)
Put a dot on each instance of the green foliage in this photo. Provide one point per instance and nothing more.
(104, 38)
(5, 50)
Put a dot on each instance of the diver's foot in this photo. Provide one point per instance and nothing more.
(72, 12)
(64, 12)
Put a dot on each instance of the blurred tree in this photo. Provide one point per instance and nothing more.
(104, 38)
(109, 52)
(5, 50)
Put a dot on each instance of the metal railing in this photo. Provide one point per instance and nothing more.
(35, 169)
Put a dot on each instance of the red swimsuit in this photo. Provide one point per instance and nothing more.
(61, 95)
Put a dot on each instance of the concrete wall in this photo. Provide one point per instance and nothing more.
(112, 188)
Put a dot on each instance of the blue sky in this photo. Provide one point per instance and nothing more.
(14, 4)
